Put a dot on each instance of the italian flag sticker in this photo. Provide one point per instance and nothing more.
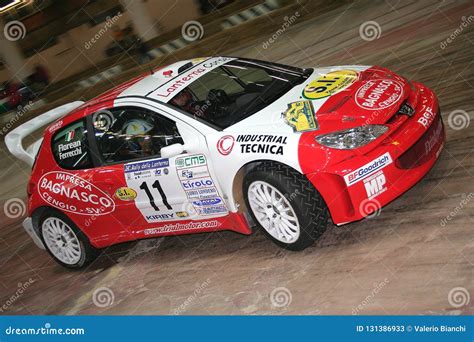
(69, 136)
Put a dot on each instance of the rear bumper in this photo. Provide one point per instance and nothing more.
(28, 226)
(358, 187)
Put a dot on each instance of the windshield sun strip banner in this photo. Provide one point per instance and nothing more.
(167, 91)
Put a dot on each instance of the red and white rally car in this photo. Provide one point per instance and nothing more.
(222, 144)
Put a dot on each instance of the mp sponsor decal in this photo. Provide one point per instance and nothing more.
(368, 169)
(177, 227)
(225, 144)
(378, 94)
(74, 194)
(375, 184)
(167, 91)
(262, 143)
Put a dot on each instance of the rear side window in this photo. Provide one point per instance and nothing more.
(70, 148)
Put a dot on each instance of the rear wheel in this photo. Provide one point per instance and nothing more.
(65, 242)
(285, 205)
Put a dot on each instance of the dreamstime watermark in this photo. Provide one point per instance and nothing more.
(109, 23)
(466, 199)
(14, 208)
(192, 30)
(21, 110)
(459, 297)
(103, 297)
(288, 21)
(281, 297)
(459, 119)
(465, 21)
(47, 329)
(370, 30)
(18, 293)
(197, 291)
(14, 30)
(370, 297)
(370, 208)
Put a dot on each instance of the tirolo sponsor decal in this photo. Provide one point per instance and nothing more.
(329, 84)
(74, 194)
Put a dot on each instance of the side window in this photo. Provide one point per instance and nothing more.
(129, 133)
(70, 148)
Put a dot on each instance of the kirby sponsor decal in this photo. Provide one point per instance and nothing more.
(368, 169)
(71, 193)
(225, 144)
(378, 94)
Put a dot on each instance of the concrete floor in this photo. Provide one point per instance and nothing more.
(404, 261)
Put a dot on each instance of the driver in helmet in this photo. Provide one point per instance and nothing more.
(185, 100)
(138, 136)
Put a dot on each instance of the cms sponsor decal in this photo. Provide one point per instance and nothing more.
(329, 84)
(126, 194)
(225, 144)
(71, 193)
(261, 143)
(190, 161)
(378, 94)
(207, 202)
(300, 116)
(368, 169)
(177, 227)
(197, 184)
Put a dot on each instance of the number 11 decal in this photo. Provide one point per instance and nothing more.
(156, 185)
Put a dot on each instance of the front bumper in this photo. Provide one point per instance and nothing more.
(362, 185)
(28, 226)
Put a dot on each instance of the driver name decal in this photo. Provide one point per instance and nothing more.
(74, 194)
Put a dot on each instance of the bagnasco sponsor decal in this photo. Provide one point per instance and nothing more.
(225, 144)
(378, 94)
(71, 193)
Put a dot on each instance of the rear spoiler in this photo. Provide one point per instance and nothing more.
(14, 139)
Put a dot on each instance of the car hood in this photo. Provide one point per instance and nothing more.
(332, 99)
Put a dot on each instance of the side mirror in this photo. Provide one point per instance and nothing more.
(172, 150)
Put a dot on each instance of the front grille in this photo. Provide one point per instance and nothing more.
(422, 150)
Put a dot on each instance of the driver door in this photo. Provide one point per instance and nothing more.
(148, 188)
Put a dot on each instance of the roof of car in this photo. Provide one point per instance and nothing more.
(143, 84)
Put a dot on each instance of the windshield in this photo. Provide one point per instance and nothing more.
(236, 90)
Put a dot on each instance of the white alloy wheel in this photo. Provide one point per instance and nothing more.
(61, 240)
(274, 212)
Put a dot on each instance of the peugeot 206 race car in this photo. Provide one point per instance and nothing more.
(225, 144)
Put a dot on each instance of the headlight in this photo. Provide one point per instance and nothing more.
(352, 138)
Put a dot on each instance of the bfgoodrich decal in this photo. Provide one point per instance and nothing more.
(71, 193)
(368, 169)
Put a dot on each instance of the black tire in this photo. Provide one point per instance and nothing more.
(306, 202)
(87, 252)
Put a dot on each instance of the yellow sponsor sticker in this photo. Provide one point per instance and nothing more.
(182, 214)
(300, 116)
(126, 194)
(329, 84)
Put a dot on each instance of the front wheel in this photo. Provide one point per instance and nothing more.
(66, 243)
(285, 205)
